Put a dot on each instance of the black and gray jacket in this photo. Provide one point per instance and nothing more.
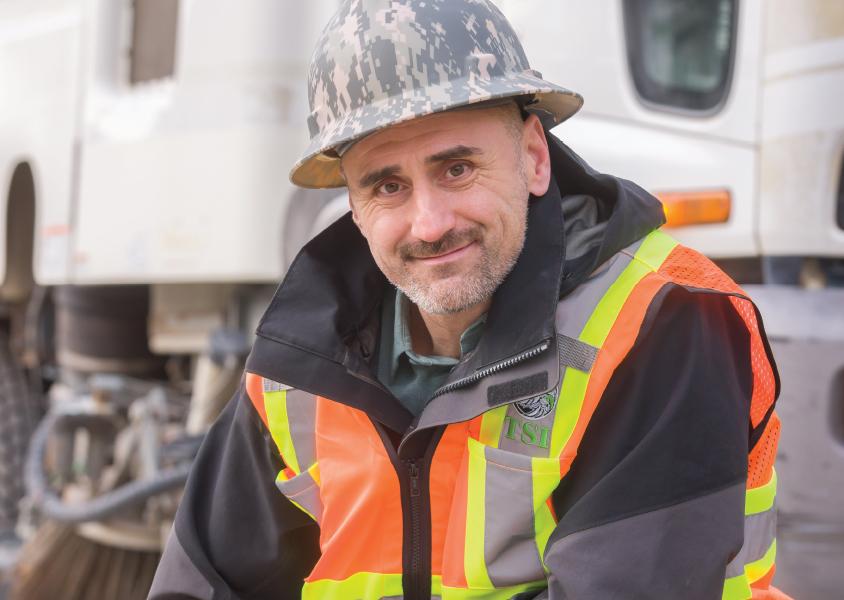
(653, 504)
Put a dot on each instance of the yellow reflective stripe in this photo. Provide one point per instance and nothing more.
(544, 483)
(569, 403)
(738, 587)
(648, 258)
(598, 326)
(282, 476)
(491, 424)
(474, 562)
(757, 569)
(760, 499)
(314, 471)
(275, 403)
(506, 593)
(655, 249)
(365, 586)
(371, 586)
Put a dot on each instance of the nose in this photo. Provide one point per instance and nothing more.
(433, 214)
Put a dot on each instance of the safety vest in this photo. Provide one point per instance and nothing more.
(492, 477)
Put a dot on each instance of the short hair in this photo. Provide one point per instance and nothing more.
(514, 117)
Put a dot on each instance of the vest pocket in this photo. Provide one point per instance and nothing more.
(508, 520)
(303, 490)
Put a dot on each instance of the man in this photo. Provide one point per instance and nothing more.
(494, 379)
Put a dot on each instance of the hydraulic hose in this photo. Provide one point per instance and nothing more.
(100, 507)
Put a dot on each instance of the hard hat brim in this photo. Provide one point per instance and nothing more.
(320, 166)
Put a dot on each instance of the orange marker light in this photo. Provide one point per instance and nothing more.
(695, 208)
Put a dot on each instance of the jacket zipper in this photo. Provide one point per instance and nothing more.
(412, 471)
(493, 368)
(415, 530)
(418, 581)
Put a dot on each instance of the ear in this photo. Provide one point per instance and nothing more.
(353, 208)
(537, 160)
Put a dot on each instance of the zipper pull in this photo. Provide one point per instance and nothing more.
(414, 477)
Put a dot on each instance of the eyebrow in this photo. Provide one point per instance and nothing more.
(459, 151)
(456, 152)
(374, 177)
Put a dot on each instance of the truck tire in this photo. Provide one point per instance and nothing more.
(15, 429)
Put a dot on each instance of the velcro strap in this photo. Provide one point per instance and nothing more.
(576, 354)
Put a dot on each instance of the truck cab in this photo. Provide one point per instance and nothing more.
(730, 112)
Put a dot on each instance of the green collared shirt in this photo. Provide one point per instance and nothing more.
(412, 377)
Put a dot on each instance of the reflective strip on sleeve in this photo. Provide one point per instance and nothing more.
(758, 568)
(738, 587)
(759, 534)
(758, 553)
(761, 498)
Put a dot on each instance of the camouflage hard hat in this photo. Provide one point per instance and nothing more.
(381, 62)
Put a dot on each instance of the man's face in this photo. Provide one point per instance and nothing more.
(442, 201)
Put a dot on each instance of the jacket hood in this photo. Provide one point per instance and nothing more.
(320, 330)
(602, 214)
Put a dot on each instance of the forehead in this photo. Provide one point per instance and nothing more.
(418, 138)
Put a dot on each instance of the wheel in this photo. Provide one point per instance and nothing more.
(15, 428)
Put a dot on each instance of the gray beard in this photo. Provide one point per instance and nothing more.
(477, 286)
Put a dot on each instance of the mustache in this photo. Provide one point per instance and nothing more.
(448, 242)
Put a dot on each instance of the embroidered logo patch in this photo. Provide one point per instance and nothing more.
(538, 406)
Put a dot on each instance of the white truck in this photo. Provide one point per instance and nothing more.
(731, 111)
(147, 215)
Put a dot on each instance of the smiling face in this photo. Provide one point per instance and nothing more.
(442, 201)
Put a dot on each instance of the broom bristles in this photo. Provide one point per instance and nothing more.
(59, 563)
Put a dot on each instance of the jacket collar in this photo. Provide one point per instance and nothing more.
(319, 332)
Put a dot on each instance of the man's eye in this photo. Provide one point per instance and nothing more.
(389, 188)
(457, 170)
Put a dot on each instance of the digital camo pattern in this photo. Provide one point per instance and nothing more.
(381, 62)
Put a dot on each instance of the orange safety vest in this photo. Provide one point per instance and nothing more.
(492, 476)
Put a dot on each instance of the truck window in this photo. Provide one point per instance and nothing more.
(680, 52)
(154, 27)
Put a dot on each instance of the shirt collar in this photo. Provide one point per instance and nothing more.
(401, 342)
